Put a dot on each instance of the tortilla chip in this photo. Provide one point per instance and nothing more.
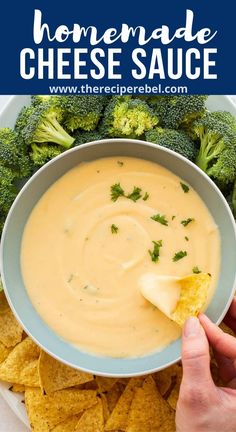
(55, 375)
(167, 418)
(193, 297)
(106, 412)
(17, 388)
(92, 419)
(90, 385)
(24, 335)
(21, 365)
(114, 395)
(47, 411)
(166, 379)
(119, 416)
(68, 425)
(168, 425)
(104, 383)
(163, 381)
(174, 395)
(227, 329)
(4, 352)
(4, 306)
(124, 381)
(11, 331)
(149, 411)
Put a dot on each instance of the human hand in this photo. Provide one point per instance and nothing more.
(203, 407)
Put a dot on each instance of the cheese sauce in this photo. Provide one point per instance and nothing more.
(83, 275)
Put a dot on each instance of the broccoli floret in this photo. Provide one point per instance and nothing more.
(12, 153)
(126, 117)
(234, 199)
(38, 99)
(23, 119)
(44, 126)
(177, 141)
(230, 196)
(179, 111)
(82, 137)
(2, 221)
(8, 190)
(226, 117)
(43, 153)
(217, 154)
(82, 112)
(152, 100)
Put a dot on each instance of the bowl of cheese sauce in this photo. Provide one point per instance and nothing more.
(92, 225)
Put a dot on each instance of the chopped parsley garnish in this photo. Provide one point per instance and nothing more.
(196, 270)
(155, 253)
(70, 278)
(114, 229)
(186, 238)
(120, 163)
(135, 195)
(173, 217)
(116, 191)
(184, 187)
(179, 255)
(160, 218)
(186, 221)
(146, 196)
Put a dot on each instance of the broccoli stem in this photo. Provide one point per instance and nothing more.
(209, 150)
(52, 131)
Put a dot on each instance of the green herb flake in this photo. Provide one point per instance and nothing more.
(135, 195)
(184, 187)
(179, 255)
(116, 191)
(186, 238)
(187, 221)
(114, 229)
(146, 196)
(196, 270)
(160, 218)
(155, 253)
(120, 163)
(70, 278)
(173, 217)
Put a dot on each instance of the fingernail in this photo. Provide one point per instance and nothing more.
(191, 327)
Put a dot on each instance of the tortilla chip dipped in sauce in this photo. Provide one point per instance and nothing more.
(95, 234)
(178, 298)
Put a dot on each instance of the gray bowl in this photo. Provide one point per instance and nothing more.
(31, 193)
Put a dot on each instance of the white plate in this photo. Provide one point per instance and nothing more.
(14, 400)
(7, 119)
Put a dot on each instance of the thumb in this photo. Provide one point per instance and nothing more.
(195, 356)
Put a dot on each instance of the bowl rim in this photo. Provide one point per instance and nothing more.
(45, 168)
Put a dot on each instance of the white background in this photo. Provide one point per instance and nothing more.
(8, 420)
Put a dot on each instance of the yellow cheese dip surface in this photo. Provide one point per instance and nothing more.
(84, 280)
